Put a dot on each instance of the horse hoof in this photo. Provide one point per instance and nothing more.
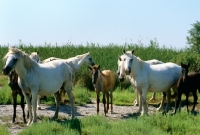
(39, 108)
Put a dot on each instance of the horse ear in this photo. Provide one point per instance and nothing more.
(98, 67)
(188, 64)
(37, 52)
(181, 64)
(124, 51)
(119, 58)
(132, 51)
(89, 68)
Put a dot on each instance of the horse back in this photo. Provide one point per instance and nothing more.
(191, 83)
(109, 79)
(193, 79)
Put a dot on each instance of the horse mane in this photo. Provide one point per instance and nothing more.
(28, 62)
(140, 61)
(96, 67)
(82, 55)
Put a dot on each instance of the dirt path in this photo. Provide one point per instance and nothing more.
(6, 112)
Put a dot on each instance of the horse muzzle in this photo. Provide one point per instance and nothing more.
(6, 70)
(127, 72)
(121, 79)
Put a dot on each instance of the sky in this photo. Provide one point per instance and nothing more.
(101, 22)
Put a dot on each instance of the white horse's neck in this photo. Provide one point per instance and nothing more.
(76, 62)
(21, 71)
(136, 67)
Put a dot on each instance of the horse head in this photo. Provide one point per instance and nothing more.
(95, 71)
(89, 60)
(16, 58)
(185, 70)
(12, 78)
(120, 71)
(12, 58)
(35, 56)
(128, 59)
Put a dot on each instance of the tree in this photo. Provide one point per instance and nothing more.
(194, 39)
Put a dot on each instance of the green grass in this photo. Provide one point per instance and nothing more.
(3, 130)
(182, 123)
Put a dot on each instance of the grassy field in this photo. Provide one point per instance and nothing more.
(106, 56)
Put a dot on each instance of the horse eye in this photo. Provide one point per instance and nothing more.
(124, 59)
(15, 59)
(131, 60)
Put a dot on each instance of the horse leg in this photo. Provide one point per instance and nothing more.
(162, 101)
(153, 97)
(71, 99)
(144, 104)
(186, 100)
(34, 105)
(195, 100)
(104, 104)
(27, 97)
(23, 106)
(97, 98)
(14, 95)
(38, 102)
(57, 100)
(137, 96)
(111, 98)
(177, 102)
(107, 96)
(168, 100)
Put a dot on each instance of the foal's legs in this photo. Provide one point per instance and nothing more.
(162, 101)
(23, 106)
(186, 101)
(14, 95)
(107, 96)
(195, 100)
(168, 100)
(98, 100)
(153, 97)
(178, 99)
(111, 98)
(104, 104)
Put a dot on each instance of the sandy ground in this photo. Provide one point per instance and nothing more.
(6, 112)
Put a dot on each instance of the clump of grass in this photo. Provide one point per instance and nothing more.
(4, 130)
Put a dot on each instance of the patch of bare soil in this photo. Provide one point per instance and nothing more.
(119, 112)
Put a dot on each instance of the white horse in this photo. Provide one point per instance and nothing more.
(75, 62)
(154, 78)
(42, 79)
(132, 81)
(35, 56)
